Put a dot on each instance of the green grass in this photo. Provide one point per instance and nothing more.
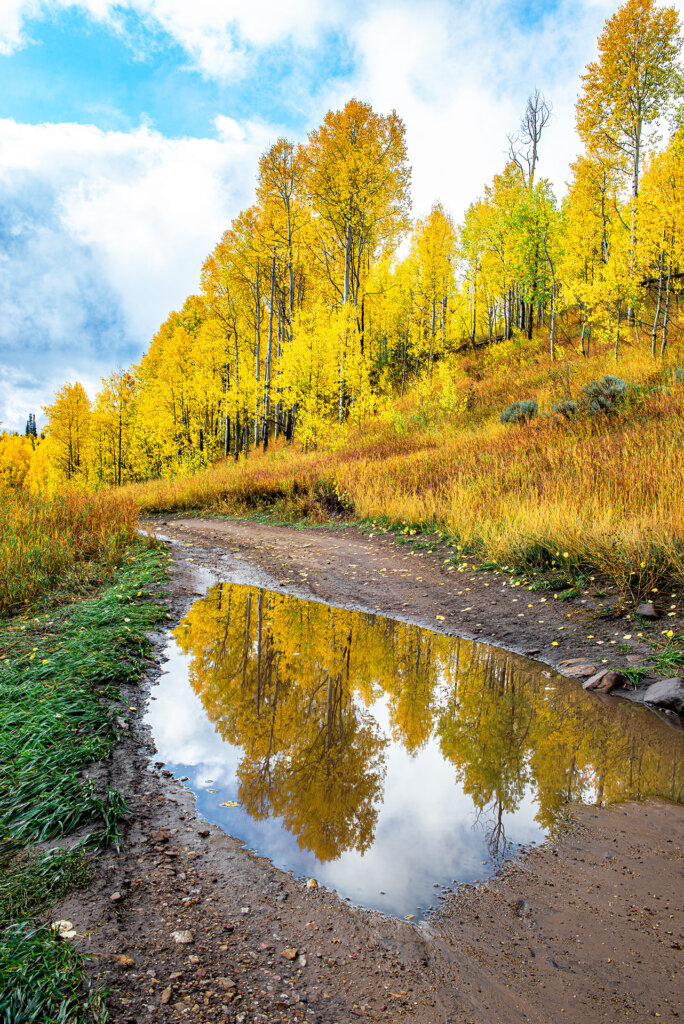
(668, 659)
(31, 882)
(43, 980)
(60, 679)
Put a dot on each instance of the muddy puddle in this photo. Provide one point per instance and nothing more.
(386, 761)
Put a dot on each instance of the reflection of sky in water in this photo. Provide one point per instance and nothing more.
(426, 830)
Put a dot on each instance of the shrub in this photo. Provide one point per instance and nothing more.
(520, 412)
(566, 407)
(602, 396)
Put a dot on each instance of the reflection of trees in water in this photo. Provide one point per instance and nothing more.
(490, 821)
(291, 683)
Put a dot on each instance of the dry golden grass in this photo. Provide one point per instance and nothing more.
(602, 493)
(58, 543)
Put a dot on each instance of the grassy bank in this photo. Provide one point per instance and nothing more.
(595, 492)
(61, 713)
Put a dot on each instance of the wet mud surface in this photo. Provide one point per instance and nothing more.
(188, 925)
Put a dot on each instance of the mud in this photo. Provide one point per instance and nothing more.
(587, 927)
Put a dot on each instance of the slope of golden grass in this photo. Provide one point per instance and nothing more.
(58, 543)
(603, 493)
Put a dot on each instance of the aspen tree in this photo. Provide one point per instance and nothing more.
(629, 90)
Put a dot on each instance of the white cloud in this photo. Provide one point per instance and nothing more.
(102, 234)
(215, 34)
(459, 75)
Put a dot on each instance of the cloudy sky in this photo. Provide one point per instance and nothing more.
(130, 133)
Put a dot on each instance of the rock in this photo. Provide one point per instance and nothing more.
(301, 960)
(166, 995)
(647, 610)
(244, 910)
(533, 650)
(311, 883)
(579, 671)
(183, 938)
(289, 953)
(122, 960)
(667, 693)
(64, 929)
(203, 832)
(593, 682)
(610, 681)
(226, 984)
(116, 897)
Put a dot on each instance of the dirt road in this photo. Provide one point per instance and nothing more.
(589, 927)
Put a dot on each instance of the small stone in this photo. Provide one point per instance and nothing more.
(610, 681)
(301, 960)
(203, 832)
(592, 683)
(184, 778)
(193, 958)
(667, 693)
(166, 995)
(122, 960)
(64, 929)
(647, 610)
(183, 938)
(244, 910)
(226, 984)
(115, 897)
(311, 883)
(579, 671)
(289, 953)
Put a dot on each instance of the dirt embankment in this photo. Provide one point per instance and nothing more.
(589, 927)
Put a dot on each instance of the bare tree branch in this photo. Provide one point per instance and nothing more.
(523, 146)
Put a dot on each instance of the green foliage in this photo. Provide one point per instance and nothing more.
(604, 395)
(29, 883)
(59, 674)
(43, 980)
(565, 407)
(668, 659)
(52, 723)
(520, 412)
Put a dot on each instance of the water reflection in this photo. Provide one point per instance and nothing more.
(377, 755)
